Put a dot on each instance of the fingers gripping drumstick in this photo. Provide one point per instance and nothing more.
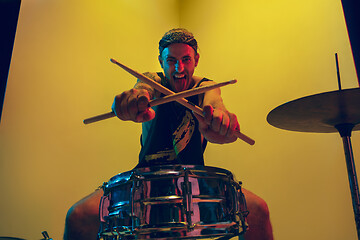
(165, 91)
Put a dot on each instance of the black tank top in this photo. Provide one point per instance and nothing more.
(172, 137)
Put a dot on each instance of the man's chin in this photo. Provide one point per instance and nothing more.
(181, 85)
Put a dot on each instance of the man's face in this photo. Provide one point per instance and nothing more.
(178, 61)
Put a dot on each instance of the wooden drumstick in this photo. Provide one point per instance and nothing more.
(99, 117)
(166, 91)
(166, 99)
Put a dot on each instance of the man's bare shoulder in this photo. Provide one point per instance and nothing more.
(197, 79)
(141, 85)
(154, 76)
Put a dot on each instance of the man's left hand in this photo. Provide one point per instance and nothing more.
(218, 126)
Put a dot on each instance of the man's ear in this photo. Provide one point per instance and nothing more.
(197, 56)
(160, 61)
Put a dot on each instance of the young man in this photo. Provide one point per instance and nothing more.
(172, 134)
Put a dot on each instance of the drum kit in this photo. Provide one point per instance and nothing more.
(197, 202)
(194, 202)
(202, 202)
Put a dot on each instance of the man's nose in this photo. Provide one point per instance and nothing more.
(179, 66)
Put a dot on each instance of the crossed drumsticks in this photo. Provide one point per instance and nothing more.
(170, 96)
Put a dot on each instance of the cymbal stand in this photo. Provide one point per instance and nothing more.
(345, 133)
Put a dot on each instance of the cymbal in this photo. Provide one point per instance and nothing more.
(319, 113)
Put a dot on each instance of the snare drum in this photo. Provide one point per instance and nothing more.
(172, 202)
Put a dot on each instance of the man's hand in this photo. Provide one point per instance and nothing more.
(133, 105)
(218, 126)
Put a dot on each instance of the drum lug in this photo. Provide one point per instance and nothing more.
(187, 196)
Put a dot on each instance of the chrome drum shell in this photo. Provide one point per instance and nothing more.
(172, 202)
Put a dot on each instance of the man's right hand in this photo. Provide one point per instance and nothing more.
(133, 105)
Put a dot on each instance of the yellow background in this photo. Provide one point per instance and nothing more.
(60, 74)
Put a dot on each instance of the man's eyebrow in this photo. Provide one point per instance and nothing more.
(187, 55)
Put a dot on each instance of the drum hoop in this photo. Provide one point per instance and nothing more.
(166, 171)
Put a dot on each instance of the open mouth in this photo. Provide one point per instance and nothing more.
(179, 77)
(180, 81)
